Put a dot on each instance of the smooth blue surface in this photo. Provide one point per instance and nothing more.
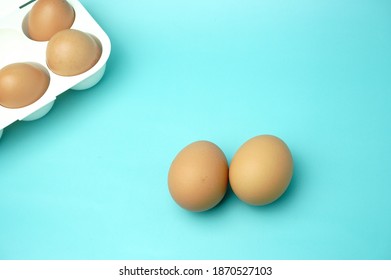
(88, 181)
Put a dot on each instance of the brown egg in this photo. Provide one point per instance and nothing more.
(22, 84)
(71, 52)
(47, 17)
(198, 176)
(261, 170)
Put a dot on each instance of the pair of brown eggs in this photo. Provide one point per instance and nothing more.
(69, 52)
(259, 173)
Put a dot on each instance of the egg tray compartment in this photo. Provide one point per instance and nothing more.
(16, 46)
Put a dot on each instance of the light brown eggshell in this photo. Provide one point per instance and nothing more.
(71, 52)
(261, 170)
(22, 84)
(198, 176)
(47, 17)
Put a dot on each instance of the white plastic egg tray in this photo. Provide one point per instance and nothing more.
(15, 47)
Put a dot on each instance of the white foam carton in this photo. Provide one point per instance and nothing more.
(15, 46)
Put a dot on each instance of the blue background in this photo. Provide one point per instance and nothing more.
(89, 180)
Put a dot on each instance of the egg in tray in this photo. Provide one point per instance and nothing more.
(46, 48)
